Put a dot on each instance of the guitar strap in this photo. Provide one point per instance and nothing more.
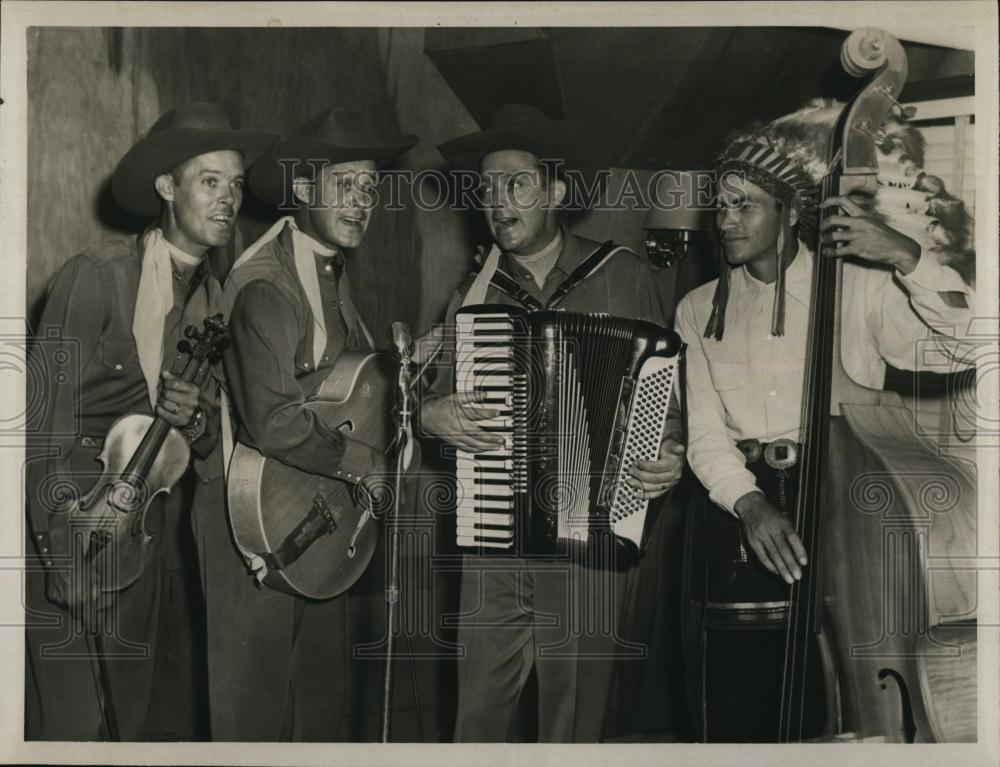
(317, 523)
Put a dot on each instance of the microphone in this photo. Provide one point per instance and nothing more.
(401, 340)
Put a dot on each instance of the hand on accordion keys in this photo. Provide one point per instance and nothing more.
(654, 478)
(460, 420)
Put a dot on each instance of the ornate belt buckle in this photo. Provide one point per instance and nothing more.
(781, 454)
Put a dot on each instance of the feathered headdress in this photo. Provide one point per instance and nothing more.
(787, 159)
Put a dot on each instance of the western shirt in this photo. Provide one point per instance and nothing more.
(270, 360)
(749, 385)
(86, 371)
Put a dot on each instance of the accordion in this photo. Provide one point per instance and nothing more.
(579, 399)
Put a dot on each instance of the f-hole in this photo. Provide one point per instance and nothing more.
(907, 728)
(346, 427)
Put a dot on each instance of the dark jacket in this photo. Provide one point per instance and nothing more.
(84, 374)
(270, 364)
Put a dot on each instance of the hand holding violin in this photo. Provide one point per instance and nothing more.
(178, 400)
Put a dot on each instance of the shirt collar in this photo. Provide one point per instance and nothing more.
(554, 248)
(568, 259)
(798, 278)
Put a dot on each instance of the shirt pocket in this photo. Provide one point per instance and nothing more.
(729, 379)
(119, 355)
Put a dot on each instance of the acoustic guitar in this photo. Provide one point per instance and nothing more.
(316, 533)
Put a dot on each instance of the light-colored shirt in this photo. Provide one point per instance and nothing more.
(749, 385)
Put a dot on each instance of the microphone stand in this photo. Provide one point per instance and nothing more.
(392, 593)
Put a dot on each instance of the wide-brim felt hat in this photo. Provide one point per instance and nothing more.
(333, 135)
(184, 132)
(526, 128)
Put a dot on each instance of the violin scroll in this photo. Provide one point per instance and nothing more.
(209, 343)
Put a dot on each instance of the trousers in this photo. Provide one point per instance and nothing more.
(278, 665)
(63, 698)
(564, 619)
(736, 664)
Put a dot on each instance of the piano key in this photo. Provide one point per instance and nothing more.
(495, 493)
(505, 503)
(487, 518)
(475, 542)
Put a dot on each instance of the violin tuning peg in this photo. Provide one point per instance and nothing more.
(184, 347)
(191, 332)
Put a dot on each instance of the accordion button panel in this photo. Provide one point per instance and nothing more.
(647, 423)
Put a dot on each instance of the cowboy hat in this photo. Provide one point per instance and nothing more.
(334, 135)
(523, 127)
(180, 134)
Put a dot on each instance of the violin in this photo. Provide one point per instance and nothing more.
(897, 653)
(143, 456)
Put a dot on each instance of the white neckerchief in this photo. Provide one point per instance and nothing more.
(303, 249)
(154, 299)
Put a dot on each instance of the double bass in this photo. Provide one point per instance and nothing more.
(881, 513)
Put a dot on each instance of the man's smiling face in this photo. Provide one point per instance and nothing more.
(342, 200)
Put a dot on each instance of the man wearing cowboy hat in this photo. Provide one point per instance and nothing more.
(746, 336)
(120, 309)
(502, 630)
(279, 665)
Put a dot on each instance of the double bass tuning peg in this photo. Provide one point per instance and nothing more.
(865, 126)
(905, 113)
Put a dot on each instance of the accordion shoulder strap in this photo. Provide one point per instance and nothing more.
(587, 267)
(509, 287)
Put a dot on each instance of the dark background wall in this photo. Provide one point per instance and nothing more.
(94, 92)
(652, 96)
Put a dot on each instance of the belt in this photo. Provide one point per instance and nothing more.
(779, 454)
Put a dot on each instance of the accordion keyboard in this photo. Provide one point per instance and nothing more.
(490, 482)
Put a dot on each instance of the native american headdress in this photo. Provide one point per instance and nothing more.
(787, 159)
